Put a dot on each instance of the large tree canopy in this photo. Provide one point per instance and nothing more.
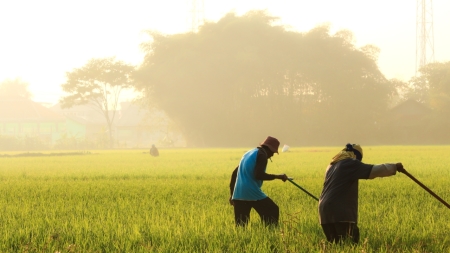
(432, 88)
(433, 85)
(99, 83)
(242, 78)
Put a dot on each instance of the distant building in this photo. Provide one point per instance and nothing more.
(83, 121)
(21, 117)
(133, 126)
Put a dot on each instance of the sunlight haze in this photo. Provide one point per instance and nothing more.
(42, 40)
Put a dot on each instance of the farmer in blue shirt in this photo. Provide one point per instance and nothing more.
(246, 182)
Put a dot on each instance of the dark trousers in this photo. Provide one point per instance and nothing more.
(266, 208)
(341, 231)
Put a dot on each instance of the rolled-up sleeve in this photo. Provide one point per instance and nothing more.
(383, 170)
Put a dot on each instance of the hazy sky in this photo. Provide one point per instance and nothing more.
(41, 40)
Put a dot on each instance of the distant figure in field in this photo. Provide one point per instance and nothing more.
(246, 182)
(338, 204)
(154, 151)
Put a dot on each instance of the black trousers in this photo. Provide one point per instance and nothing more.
(341, 231)
(266, 208)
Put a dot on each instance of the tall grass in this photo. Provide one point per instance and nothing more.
(129, 201)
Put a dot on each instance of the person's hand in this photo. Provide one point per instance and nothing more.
(283, 177)
(231, 201)
(400, 167)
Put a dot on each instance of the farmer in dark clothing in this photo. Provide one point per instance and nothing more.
(338, 204)
(246, 182)
(154, 151)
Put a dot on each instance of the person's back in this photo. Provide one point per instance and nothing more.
(339, 198)
(338, 203)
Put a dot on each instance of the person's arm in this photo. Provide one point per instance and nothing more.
(232, 183)
(260, 174)
(233, 180)
(383, 170)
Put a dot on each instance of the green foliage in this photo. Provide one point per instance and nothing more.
(129, 201)
(65, 142)
(70, 142)
(246, 76)
(23, 143)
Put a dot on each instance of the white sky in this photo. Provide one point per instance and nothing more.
(42, 40)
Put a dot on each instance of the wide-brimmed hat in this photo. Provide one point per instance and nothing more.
(272, 143)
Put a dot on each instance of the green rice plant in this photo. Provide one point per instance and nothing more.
(129, 201)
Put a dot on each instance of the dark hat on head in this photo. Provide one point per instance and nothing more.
(272, 143)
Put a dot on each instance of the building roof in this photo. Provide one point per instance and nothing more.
(19, 109)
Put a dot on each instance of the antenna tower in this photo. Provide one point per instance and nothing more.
(424, 33)
(197, 14)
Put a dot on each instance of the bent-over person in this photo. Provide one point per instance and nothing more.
(246, 181)
(338, 203)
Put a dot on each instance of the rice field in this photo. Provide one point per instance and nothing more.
(129, 201)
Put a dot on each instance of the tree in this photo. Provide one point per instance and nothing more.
(432, 85)
(436, 78)
(15, 87)
(98, 83)
(245, 77)
(401, 91)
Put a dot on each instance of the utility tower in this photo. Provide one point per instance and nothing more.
(424, 33)
(196, 14)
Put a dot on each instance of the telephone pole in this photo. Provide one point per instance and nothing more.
(424, 33)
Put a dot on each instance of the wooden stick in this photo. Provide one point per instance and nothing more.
(424, 187)
(290, 180)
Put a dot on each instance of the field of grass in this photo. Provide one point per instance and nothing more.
(129, 201)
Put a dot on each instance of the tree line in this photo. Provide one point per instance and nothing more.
(242, 78)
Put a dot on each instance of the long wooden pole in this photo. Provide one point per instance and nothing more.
(424, 187)
(290, 180)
